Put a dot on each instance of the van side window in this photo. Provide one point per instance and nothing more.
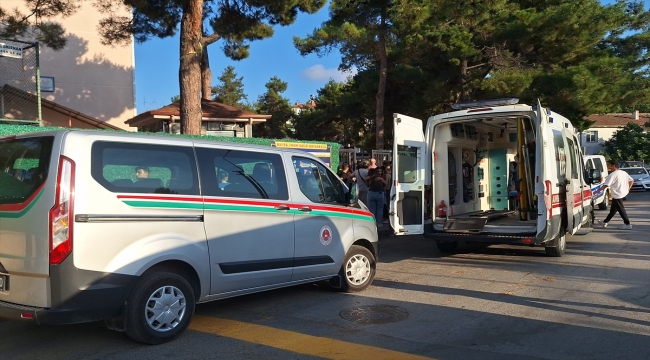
(243, 174)
(317, 183)
(24, 164)
(143, 168)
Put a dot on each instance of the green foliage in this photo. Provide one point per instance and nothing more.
(8, 130)
(175, 98)
(272, 103)
(578, 57)
(630, 143)
(230, 91)
(33, 24)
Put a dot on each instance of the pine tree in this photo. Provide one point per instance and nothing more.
(231, 88)
(272, 103)
(233, 22)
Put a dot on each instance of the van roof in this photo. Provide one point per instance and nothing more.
(150, 136)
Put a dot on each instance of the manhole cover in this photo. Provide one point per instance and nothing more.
(375, 315)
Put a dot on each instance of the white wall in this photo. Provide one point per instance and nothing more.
(92, 78)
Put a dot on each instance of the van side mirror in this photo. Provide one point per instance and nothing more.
(594, 176)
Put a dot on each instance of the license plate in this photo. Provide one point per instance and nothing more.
(4, 282)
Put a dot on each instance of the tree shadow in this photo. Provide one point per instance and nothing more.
(89, 82)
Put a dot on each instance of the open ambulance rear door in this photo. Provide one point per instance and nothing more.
(550, 170)
(410, 151)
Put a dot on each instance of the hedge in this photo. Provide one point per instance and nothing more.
(7, 130)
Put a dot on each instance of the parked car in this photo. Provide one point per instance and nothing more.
(641, 178)
(600, 195)
(633, 164)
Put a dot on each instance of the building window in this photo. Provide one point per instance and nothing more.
(591, 136)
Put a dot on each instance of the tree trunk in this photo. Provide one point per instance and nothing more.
(206, 75)
(464, 92)
(190, 67)
(381, 90)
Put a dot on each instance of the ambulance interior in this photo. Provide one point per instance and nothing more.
(484, 171)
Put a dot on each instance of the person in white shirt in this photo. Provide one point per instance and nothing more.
(620, 184)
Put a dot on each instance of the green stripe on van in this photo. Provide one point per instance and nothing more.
(243, 208)
(17, 214)
(164, 204)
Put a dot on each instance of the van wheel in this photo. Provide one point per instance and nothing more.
(358, 269)
(605, 204)
(447, 247)
(160, 308)
(559, 248)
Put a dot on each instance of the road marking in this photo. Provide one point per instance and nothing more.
(294, 341)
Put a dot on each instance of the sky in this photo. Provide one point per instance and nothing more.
(156, 70)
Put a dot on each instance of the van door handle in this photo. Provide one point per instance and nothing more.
(305, 209)
(282, 207)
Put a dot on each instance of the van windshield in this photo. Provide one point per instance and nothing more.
(24, 164)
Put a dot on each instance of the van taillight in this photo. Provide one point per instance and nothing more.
(61, 215)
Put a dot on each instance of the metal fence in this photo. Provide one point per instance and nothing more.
(20, 90)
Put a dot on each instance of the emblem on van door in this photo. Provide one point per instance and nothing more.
(325, 235)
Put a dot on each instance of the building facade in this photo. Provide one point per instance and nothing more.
(88, 77)
(605, 126)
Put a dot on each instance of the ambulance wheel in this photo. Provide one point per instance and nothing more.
(160, 308)
(605, 204)
(559, 248)
(447, 247)
(358, 269)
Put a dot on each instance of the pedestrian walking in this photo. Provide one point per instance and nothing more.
(620, 184)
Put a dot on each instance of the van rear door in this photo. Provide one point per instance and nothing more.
(406, 212)
(25, 203)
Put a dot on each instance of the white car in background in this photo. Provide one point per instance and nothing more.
(640, 176)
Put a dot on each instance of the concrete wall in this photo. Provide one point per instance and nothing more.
(91, 78)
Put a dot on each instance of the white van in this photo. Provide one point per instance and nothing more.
(493, 172)
(137, 229)
(600, 196)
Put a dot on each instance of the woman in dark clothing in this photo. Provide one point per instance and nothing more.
(346, 175)
(376, 185)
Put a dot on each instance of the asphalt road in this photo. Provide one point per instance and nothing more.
(499, 302)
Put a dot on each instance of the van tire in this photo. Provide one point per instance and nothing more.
(447, 247)
(358, 269)
(605, 203)
(149, 287)
(559, 248)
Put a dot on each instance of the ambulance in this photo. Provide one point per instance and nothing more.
(491, 172)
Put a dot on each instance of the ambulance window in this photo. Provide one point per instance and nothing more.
(572, 156)
(589, 165)
(242, 174)
(144, 168)
(560, 155)
(24, 164)
(316, 182)
(407, 165)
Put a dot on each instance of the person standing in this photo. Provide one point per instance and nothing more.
(620, 184)
(362, 187)
(373, 164)
(346, 175)
(376, 186)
